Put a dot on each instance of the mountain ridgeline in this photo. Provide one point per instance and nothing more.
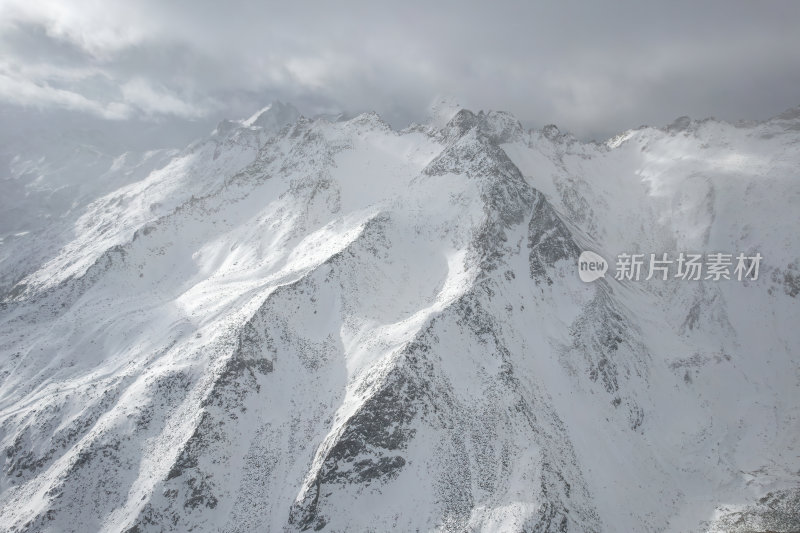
(329, 325)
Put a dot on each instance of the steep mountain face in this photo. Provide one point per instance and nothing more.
(45, 191)
(71, 189)
(310, 325)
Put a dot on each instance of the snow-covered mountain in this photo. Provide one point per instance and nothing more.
(302, 324)
(50, 176)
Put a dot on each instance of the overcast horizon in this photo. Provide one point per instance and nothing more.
(175, 70)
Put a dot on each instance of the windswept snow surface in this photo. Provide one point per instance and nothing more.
(301, 324)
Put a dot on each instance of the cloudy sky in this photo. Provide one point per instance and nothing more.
(592, 68)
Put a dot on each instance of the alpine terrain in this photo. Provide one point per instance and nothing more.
(329, 325)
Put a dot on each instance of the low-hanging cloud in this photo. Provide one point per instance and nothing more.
(592, 69)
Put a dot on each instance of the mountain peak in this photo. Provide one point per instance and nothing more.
(499, 126)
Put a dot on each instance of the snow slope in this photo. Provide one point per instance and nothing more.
(337, 326)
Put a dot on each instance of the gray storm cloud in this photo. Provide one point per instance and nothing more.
(594, 69)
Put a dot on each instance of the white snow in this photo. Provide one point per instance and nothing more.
(331, 246)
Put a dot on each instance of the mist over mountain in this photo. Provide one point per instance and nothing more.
(328, 324)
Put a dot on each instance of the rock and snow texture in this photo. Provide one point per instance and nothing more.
(309, 325)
